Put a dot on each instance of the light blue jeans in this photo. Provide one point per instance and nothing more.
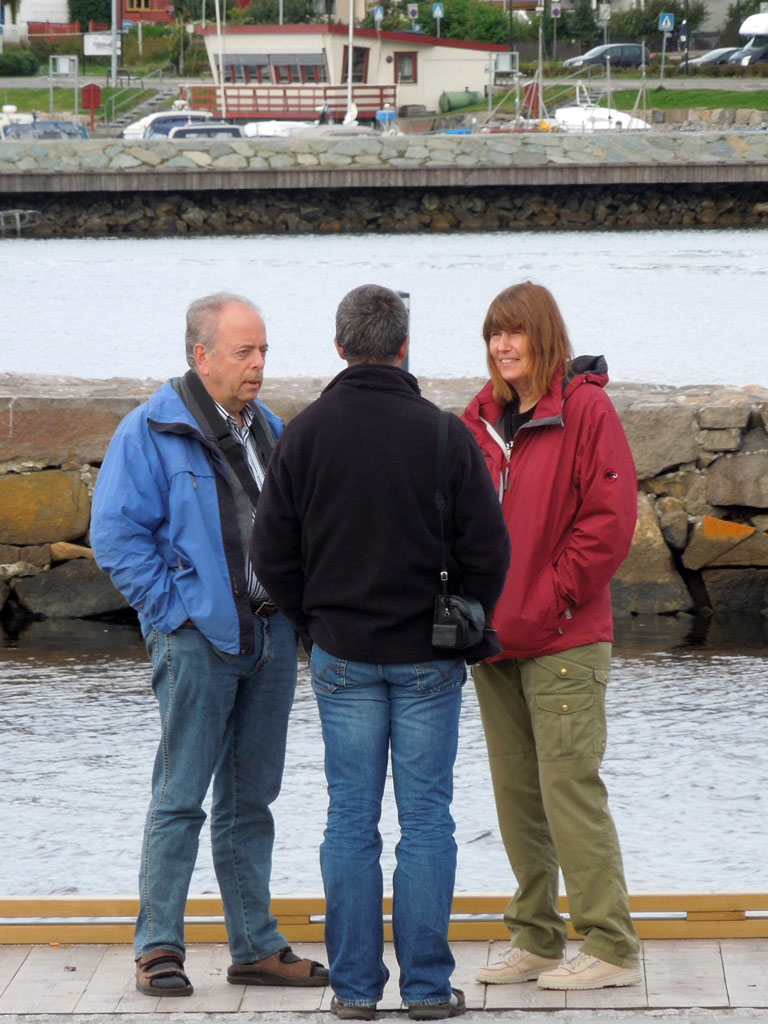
(222, 716)
(365, 710)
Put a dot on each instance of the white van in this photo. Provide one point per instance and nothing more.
(755, 51)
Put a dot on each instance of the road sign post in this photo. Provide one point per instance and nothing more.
(604, 19)
(666, 25)
(437, 14)
(555, 10)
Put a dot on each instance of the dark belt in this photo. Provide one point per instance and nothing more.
(264, 608)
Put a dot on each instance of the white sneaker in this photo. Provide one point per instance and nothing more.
(516, 965)
(585, 971)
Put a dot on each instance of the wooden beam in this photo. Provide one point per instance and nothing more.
(476, 916)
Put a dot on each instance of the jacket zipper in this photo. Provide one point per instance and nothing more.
(507, 455)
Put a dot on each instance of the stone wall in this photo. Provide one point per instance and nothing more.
(389, 210)
(482, 182)
(701, 453)
(379, 153)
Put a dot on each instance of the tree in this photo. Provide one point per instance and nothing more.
(267, 12)
(90, 10)
(580, 24)
(644, 24)
(737, 12)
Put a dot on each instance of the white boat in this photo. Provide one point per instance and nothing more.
(324, 127)
(579, 117)
(585, 115)
(303, 129)
(9, 114)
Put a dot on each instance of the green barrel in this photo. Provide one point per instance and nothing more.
(457, 100)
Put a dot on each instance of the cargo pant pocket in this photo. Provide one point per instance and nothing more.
(567, 706)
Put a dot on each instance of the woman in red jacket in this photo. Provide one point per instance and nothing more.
(557, 453)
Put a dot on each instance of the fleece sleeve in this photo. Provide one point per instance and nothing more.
(276, 548)
(602, 530)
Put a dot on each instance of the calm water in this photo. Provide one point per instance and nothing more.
(686, 767)
(686, 764)
(676, 307)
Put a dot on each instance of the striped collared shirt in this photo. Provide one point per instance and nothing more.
(243, 434)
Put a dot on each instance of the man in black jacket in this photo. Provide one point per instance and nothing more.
(347, 544)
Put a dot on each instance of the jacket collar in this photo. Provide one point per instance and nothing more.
(376, 377)
(549, 409)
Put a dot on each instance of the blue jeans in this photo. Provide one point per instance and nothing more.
(364, 710)
(222, 716)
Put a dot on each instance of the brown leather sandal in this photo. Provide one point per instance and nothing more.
(160, 973)
(281, 968)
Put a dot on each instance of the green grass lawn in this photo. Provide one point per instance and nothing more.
(677, 99)
(28, 100)
(656, 99)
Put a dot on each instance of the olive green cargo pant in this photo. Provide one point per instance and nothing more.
(544, 721)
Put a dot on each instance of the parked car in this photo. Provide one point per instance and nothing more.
(44, 130)
(622, 55)
(161, 122)
(755, 52)
(206, 130)
(718, 56)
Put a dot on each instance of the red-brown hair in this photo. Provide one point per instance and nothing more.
(532, 309)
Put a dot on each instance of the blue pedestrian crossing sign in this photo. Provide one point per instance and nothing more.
(378, 14)
(666, 22)
(437, 11)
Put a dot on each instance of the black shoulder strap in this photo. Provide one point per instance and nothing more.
(194, 395)
(441, 490)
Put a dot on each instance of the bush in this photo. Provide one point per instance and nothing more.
(43, 46)
(17, 61)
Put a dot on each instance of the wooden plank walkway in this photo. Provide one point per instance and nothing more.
(99, 979)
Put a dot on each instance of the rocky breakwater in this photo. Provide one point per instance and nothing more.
(492, 182)
(701, 542)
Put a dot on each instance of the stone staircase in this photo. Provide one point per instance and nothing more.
(166, 91)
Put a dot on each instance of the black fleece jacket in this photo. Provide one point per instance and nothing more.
(346, 535)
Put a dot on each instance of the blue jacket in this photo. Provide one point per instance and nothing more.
(163, 525)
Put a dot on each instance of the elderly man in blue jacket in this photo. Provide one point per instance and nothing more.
(172, 515)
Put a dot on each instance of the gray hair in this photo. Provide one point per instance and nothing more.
(203, 320)
(371, 324)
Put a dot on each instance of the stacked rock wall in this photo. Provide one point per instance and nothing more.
(392, 210)
(701, 455)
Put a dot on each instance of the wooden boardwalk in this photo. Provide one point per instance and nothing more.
(99, 979)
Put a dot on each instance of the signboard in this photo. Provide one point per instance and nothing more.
(666, 22)
(378, 14)
(63, 65)
(99, 44)
(413, 11)
(604, 13)
(437, 11)
(556, 10)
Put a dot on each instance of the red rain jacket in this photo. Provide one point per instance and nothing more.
(568, 489)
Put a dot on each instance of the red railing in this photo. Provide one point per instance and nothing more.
(53, 28)
(290, 102)
(63, 28)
